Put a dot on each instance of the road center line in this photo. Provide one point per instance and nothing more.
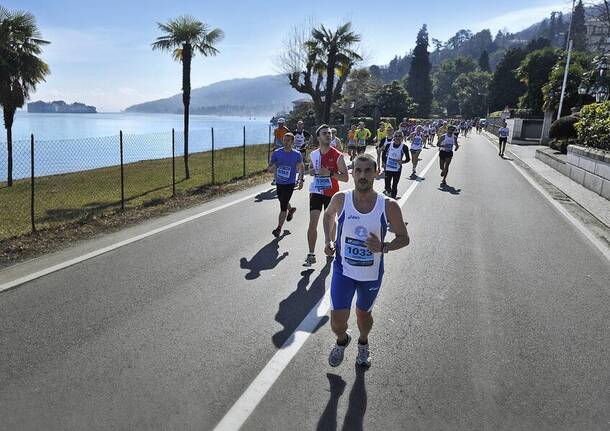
(247, 402)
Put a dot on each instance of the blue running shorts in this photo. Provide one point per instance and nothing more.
(342, 290)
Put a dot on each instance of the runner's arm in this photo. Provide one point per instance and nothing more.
(271, 168)
(342, 175)
(394, 214)
(301, 171)
(335, 205)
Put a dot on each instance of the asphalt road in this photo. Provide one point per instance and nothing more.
(496, 316)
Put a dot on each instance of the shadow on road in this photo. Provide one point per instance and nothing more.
(354, 418)
(299, 303)
(265, 259)
(266, 195)
(416, 178)
(449, 189)
(509, 159)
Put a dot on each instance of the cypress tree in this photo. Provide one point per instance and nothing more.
(419, 84)
(484, 61)
(579, 29)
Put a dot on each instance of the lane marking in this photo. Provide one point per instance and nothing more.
(252, 396)
(95, 253)
(600, 245)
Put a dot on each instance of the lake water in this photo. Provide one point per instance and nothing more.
(74, 142)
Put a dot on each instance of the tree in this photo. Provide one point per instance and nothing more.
(484, 61)
(358, 93)
(447, 73)
(313, 57)
(579, 64)
(534, 73)
(20, 69)
(186, 36)
(579, 29)
(419, 83)
(471, 90)
(505, 88)
(394, 100)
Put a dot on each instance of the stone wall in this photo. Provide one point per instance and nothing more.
(590, 168)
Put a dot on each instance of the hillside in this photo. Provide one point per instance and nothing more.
(263, 95)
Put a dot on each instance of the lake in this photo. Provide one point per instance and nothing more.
(74, 142)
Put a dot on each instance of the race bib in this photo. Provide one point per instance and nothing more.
(283, 173)
(357, 253)
(322, 183)
(392, 164)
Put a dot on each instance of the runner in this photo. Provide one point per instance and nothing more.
(351, 142)
(362, 135)
(503, 137)
(404, 127)
(301, 139)
(335, 140)
(285, 163)
(431, 134)
(395, 153)
(327, 168)
(360, 247)
(416, 147)
(446, 144)
(278, 136)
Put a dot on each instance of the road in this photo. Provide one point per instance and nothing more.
(495, 317)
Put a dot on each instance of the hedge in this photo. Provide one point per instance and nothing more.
(594, 126)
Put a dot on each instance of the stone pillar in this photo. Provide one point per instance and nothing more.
(546, 127)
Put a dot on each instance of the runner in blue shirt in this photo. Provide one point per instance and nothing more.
(284, 163)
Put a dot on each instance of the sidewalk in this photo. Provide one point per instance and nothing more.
(592, 202)
(595, 204)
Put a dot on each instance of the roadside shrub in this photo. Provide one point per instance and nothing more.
(563, 128)
(593, 129)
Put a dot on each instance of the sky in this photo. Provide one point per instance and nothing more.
(100, 50)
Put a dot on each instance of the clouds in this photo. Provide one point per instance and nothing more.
(521, 18)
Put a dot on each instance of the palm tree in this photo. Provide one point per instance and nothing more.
(184, 37)
(20, 68)
(335, 51)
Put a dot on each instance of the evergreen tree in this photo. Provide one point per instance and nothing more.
(394, 101)
(419, 84)
(484, 62)
(534, 72)
(505, 88)
(579, 29)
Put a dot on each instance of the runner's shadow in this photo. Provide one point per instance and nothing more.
(449, 189)
(328, 420)
(507, 158)
(299, 303)
(266, 195)
(354, 417)
(265, 259)
(416, 178)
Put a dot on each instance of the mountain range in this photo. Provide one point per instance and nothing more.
(269, 94)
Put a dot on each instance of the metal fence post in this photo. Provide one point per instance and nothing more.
(213, 177)
(173, 163)
(269, 146)
(244, 151)
(32, 202)
(122, 173)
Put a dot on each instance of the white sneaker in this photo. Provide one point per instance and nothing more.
(336, 354)
(363, 357)
(310, 260)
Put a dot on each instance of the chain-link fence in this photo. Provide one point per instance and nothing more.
(55, 182)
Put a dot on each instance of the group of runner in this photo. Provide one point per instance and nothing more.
(356, 221)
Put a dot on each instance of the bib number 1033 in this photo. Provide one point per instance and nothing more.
(357, 253)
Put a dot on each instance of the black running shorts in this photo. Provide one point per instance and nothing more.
(317, 202)
(284, 193)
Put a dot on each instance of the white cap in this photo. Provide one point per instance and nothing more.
(281, 120)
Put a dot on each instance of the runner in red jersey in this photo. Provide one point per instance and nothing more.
(327, 168)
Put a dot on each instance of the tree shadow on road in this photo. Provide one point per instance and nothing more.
(299, 303)
(266, 195)
(449, 189)
(354, 417)
(265, 259)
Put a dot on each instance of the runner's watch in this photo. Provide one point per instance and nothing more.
(385, 248)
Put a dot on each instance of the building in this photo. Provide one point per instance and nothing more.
(598, 35)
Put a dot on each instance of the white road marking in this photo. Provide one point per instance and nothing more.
(247, 402)
(119, 244)
(603, 248)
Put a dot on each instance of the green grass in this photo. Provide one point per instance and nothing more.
(69, 197)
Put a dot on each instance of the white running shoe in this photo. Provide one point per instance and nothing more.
(336, 354)
(363, 358)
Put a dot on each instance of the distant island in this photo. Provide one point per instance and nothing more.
(60, 107)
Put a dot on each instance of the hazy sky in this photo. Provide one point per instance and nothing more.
(100, 52)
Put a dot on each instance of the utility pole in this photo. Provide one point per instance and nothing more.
(565, 73)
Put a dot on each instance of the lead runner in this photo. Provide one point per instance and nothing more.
(363, 221)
